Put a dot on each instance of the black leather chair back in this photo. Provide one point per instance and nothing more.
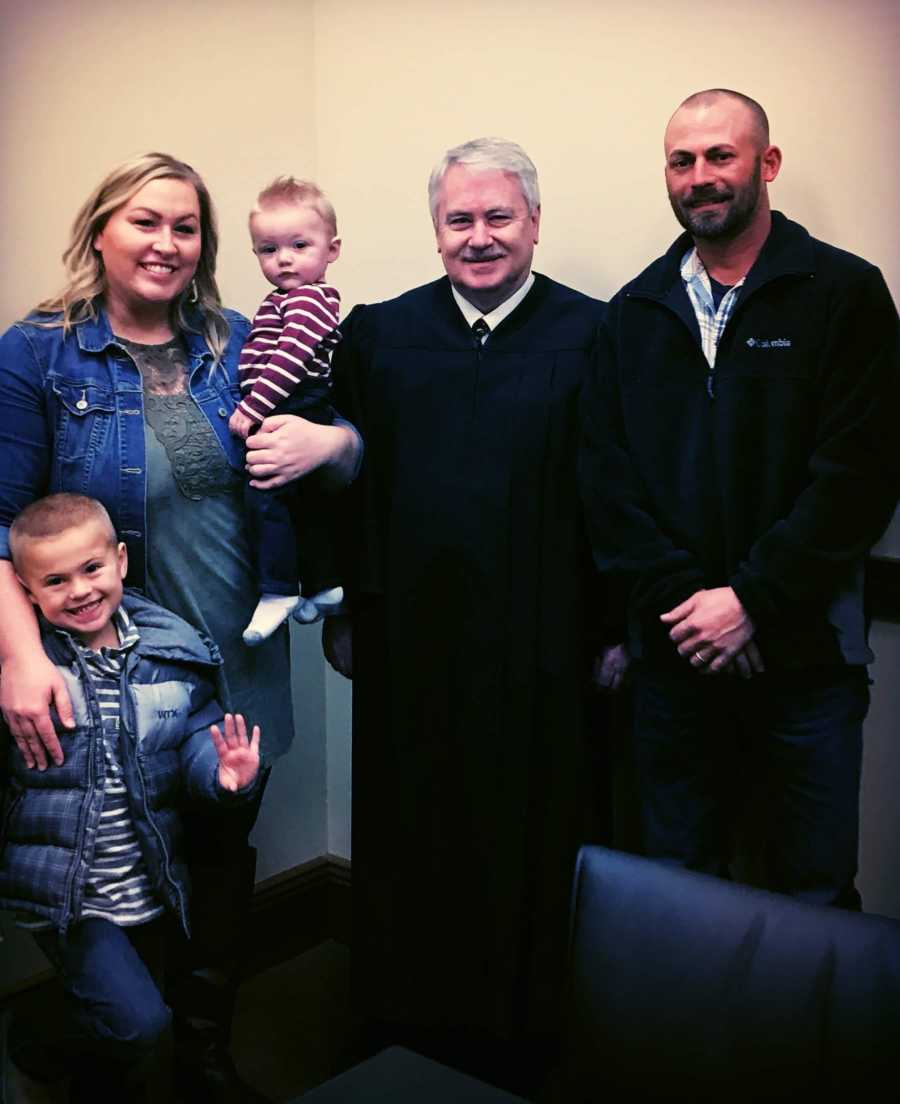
(686, 987)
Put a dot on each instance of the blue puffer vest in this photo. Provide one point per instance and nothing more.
(50, 818)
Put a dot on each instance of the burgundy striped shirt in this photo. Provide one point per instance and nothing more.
(291, 340)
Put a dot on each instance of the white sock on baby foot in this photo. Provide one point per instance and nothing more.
(268, 615)
(306, 613)
(328, 602)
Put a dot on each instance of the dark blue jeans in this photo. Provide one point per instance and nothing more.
(699, 741)
(109, 1033)
(292, 527)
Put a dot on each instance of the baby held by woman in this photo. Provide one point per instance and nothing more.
(285, 368)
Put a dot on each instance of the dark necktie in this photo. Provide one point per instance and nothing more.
(480, 332)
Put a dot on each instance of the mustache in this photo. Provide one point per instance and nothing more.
(707, 195)
(482, 256)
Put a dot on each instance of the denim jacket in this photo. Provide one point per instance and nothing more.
(50, 818)
(72, 419)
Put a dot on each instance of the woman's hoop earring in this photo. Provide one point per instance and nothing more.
(193, 295)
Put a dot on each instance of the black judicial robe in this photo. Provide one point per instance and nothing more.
(474, 610)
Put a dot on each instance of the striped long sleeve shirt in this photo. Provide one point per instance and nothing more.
(118, 885)
(291, 340)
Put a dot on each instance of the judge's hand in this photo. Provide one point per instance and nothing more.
(286, 447)
(337, 644)
(710, 629)
(28, 689)
(238, 756)
(611, 667)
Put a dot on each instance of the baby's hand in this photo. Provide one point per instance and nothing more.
(240, 424)
(238, 756)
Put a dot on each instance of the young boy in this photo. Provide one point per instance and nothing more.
(89, 855)
(285, 368)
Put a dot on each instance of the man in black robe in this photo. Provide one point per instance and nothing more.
(475, 621)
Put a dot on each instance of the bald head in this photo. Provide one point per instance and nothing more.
(712, 97)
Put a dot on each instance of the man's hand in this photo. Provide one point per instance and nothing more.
(610, 667)
(747, 663)
(238, 756)
(337, 644)
(27, 692)
(240, 424)
(711, 629)
(287, 447)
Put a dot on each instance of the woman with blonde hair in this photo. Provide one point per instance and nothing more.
(120, 387)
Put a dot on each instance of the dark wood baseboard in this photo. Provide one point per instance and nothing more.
(299, 909)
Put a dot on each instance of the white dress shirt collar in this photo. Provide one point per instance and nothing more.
(496, 316)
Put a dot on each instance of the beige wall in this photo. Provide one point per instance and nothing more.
(365, 94)
(587, 87)
(87, 84)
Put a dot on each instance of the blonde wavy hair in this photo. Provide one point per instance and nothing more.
(86, 283)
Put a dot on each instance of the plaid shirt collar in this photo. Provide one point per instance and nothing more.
(712, 322)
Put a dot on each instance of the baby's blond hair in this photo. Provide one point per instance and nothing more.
(288, 190)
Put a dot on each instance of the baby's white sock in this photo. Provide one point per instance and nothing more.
(328, 602)
(268, 615)
(306, 613)
(324, 604)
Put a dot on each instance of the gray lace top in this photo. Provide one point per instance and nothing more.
(198, 556)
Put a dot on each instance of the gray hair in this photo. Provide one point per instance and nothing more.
(483, 154)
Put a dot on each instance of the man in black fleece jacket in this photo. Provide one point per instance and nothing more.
(738, 460)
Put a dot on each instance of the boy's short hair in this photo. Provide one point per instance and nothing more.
(54, 514)
(286, 190)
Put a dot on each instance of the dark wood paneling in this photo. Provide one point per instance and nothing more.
(299, 909)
